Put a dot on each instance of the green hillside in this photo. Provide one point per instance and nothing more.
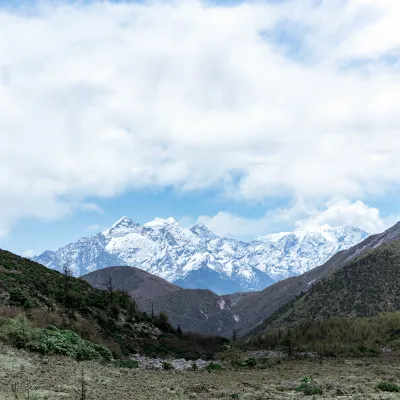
(47, 303)
(355, 305)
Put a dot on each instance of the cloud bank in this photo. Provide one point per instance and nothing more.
(335, 212)
(257, 100)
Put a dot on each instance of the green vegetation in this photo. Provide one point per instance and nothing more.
(309, 387)
(106, 318)
(214, 367)
(367, 286)
(353, 312)
(167, 366)
(388, 387)
(334, 336)
(251, 362)
(21, 333)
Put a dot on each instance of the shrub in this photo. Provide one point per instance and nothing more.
(308, 387)
(194, 366)
(233, 355)
(20, 333)
(251, 362)
(388, 387)
(167, 366)
(213, 367)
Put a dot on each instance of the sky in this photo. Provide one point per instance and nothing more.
(252, 117)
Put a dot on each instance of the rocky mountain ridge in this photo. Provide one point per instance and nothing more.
(199, 259)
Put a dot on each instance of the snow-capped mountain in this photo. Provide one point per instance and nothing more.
(198, 258)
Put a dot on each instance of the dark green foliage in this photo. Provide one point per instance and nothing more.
(213, 367)
(110, 317)
(352, 312)
(179, 332)
(167, 366)
(388, 387)
(332, 336)
(194, 367)
(309, 387)
(251, 362)
(21, 333)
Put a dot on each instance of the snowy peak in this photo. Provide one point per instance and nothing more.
(198, 258)
(123, 222)
(326, 231)
(203, 232)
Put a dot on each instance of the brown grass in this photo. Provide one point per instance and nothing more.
(57, 377)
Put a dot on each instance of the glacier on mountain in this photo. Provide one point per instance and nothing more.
(198, 258)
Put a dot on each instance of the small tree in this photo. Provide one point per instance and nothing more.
(67, 272)
(132, 310)
(288, 343)
(163, 321)
(234, 334)
(179, 332)
(110, 288)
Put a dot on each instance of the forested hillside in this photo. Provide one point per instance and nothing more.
(35, 297)
(339, 308)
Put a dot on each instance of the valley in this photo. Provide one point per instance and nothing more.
(61, 378)
(199, 200)
(119, 332)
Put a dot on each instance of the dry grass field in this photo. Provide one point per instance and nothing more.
(25, 375)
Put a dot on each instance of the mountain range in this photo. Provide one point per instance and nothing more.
(197, 258)
(203, 311)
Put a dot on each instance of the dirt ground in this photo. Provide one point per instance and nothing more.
(28, 376)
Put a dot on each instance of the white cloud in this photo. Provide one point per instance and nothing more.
(94, 228)
(28, 253)
(99, 98)
(335, 212)
(227, 224)
(343, 212)
(91, 207)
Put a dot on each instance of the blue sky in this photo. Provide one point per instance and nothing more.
(250, 117)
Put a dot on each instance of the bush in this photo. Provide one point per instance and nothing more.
(194, 366)
(232, 355)
(388, 387)
(308, 387)
(167, 366)
(251, 362)
(213, 367)
(20, 333)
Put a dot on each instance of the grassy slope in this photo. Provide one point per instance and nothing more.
(365, 287)
(354, 308)
(97, 315)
